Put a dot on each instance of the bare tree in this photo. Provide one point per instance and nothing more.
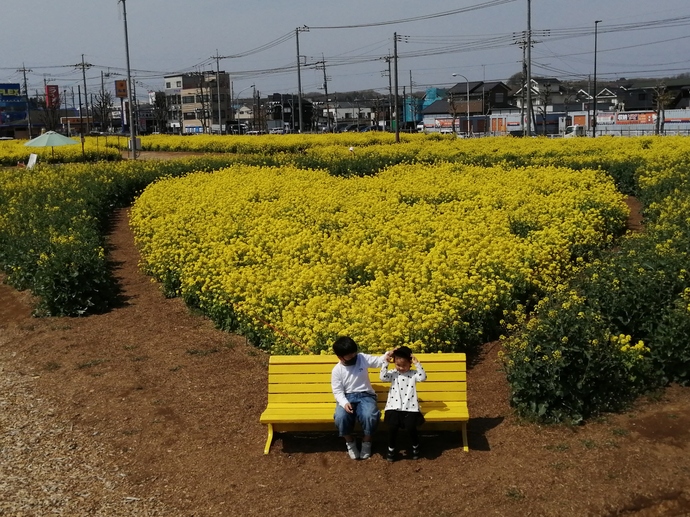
(453, 108)
(544, 99)
(662, 98)
(102, 109)
(49, 115)
(160, 111)
(204, 98)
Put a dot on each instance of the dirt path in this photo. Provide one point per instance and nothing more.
(157, 413)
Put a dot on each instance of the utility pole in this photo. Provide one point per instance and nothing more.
(594, 108)
(132, 123)
(412, 109)
(220, 122)
(325, 89)
(390, 89)
(395, 58)
(84, 66)
(529, 67)
(299, 77)
(24, 70)
(526, 42)
(81, 122)
(523, 46)
(64, 99)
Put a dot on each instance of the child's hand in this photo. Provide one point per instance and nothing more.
(388, 356)
(414, 359)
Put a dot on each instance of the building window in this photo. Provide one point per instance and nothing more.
(190, 116)
(499, 97)
(188, 99)
(179, 84)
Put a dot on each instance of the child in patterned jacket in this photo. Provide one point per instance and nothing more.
(402, 407)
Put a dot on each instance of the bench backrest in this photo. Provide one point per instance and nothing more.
(307, 379)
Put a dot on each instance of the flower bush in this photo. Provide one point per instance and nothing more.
(51, 223)
(418, 255)
(639, 290)
(13, 152)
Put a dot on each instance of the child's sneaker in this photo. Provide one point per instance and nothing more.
(366, 451)
(390, 455)
(352, 450)
(415, 452)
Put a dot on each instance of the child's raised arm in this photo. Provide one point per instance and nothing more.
(420, 374)
(385, 374)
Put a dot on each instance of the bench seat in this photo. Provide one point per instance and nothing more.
(300, 396)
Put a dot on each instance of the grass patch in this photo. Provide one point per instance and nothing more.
(51, 366)
(559, 447)
(514, 492)
(201, 353)
(560, 465)
(589, 444)
(90, 364)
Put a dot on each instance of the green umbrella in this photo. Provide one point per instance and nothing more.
(50, 139)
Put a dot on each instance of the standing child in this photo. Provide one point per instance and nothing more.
(402, 407)
(354, 394)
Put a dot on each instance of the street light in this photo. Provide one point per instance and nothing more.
(467, 88)
(594, 108)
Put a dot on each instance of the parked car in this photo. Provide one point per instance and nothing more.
(372, 128)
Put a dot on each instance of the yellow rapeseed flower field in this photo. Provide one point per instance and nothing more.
(419, 255)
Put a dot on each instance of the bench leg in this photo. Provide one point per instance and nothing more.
(269, 440)
(465, 445)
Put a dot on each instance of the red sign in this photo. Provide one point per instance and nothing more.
(121, 89)
(52, 96)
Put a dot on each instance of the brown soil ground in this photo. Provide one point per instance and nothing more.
(172, 405)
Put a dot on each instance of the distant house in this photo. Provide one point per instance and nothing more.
(454, 107)
(546, 92)
(643, 95)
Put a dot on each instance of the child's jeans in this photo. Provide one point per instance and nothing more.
(365, 410)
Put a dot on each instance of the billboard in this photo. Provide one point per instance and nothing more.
(121, 89)
(12, 103)
(52, 96)
(636, 118)
(10, 90)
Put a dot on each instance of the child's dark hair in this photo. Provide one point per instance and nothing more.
(403, 352)
(344, 345)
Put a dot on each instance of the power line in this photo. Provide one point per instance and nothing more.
(476, 7)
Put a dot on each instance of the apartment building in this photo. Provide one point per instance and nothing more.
(197, 102)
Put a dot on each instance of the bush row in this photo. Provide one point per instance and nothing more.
(620, 326)
(52, 221)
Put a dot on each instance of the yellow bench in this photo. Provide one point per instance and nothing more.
(300, 396)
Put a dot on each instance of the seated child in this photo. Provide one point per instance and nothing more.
(402, 408)
(354, 394)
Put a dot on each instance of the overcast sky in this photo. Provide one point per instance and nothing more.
(475, 39)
